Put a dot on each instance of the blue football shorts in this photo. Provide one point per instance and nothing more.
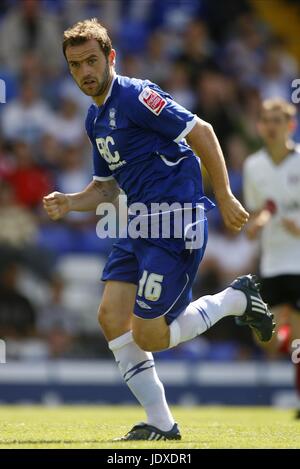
(163, 276)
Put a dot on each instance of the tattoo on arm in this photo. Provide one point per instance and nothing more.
(109, 193)
(103, 192)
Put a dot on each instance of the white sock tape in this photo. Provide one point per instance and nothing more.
(121, 341)
(174, 334)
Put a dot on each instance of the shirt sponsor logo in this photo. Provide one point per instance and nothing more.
(152, 100)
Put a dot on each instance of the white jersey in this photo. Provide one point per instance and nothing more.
(265, 181)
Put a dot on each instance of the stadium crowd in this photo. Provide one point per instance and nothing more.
(215, 58)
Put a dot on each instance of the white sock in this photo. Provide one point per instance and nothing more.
(138, 370)
(203, 313)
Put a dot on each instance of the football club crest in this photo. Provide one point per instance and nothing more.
(112, 118)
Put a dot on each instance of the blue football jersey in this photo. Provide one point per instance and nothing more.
(138, 139)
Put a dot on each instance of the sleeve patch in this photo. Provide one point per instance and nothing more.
(152, 100)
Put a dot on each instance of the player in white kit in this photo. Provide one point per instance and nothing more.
(272, 195)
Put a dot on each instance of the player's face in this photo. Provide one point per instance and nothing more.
(274, 127)
(89, 67)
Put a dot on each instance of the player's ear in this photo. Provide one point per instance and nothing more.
(112, 57)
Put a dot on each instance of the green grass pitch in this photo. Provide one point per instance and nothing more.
(95, 426)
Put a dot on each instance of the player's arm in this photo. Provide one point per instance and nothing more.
(256, 223)
(58, 205)
(261, 210)
(260, 218)
(204, 142)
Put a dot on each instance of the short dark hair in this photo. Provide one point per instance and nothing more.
(83, 31)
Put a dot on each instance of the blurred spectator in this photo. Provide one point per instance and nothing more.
(28, 27)
(17, 316)
(49, 153)
(57, 324)
(179, 87)
(67, 127)
(30, 181)
(221, 20)
(31, 68)
(69, 90)
(18, 226)
(274, 80)
(216, 103)
(18, 319)
(156, 68)
(109, 12)
(6, 160)
(243, 54)
(130, 65)
(18, 236)
(250, 103)
(27, 117)
(197, 52)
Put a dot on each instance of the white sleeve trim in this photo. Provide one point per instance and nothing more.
(189, 126)
(100, 178)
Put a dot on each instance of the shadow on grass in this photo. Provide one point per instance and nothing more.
(49, 442)
(114, 443)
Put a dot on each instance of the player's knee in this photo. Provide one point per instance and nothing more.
(148, 342)
(113, 322)
(104, 316)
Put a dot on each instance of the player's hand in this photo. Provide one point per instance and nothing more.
(233, 213)
(56, 205)
(291, 226)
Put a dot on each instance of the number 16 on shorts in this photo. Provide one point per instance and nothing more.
(150, 286)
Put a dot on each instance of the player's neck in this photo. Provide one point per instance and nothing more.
(279, 152)
(99, 100)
